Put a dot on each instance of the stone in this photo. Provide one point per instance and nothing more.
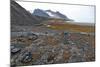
(27, 57)
(15, 49)
(33, 36)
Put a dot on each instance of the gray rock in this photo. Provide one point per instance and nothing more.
(15, 49)
(27, 57)
(32, 36)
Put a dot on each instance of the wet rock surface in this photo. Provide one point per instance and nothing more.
(36, 48)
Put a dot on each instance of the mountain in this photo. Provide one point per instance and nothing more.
(20, 16)
(62, 16)
(41, 13)
(50, 14)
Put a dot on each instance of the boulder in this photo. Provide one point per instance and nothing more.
(15, 49)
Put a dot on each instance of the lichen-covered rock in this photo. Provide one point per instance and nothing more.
(15, 49)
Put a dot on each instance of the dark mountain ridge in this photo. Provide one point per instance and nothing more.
(50, 14)
(20, 16)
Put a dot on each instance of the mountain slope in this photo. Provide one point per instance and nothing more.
(19, 16)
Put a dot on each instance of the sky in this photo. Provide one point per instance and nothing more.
(78, 13)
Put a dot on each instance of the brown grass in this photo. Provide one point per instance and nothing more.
(73, 27)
